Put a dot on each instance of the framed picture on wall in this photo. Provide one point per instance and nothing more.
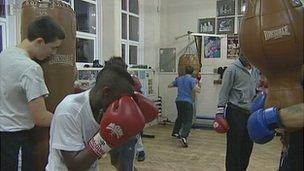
(212, 47)
(167, 59)
(241, 6)
(233, 46)
(225, 7)
(225, 25)
(206, 25)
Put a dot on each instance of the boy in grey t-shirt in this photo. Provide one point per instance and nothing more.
(22, 91)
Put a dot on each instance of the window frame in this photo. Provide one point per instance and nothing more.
(127, 42)
(4, 25)
(4, 36)
(86, 36)
(97, 37)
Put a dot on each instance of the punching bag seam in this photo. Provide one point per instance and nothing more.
(261, 33)
(296, 39)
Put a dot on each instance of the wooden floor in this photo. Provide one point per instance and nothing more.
(206, 152)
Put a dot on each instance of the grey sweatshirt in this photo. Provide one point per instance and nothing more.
(239, 85)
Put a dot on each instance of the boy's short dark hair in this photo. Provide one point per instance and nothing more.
(189, 69)
(46, 28)
(116, 61)
(114, 77)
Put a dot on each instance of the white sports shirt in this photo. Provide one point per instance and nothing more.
(72, 127)
(21, 80)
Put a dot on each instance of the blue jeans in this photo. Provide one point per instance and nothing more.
(122, 157)
(139, 144)
(184, 118)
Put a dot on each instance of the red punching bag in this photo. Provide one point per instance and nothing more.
(59, 70)
(271, 37)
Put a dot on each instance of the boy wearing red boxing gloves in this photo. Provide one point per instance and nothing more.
(88, 125)
(238, 90)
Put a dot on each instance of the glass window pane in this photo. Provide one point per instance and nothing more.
(241, 6)
(134, 28)
(2, 8)
(124, 5)
(85, 16)
(123, 50)
(84, 50)
(68, 1)
(1, 43)
(133, 6)
(124, 26)
(132, 54)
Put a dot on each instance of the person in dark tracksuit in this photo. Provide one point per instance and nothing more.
(239, 85)
(186, 84)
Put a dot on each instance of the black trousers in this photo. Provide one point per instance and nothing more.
(292, 159)
(295, 150)
(122, 157)
(239, 145)
(11, 143)
(183, 121)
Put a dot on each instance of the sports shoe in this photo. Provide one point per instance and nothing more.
(141, 156)
(183, 141)
(176, 135)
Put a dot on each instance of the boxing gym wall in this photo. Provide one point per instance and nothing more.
(59, 70)
(175, 21)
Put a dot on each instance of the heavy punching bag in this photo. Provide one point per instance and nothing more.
(271, 37)
(59, 70)
(188, 59)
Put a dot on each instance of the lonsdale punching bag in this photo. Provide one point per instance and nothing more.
(271, 37)
(188, 59)
(59, 71)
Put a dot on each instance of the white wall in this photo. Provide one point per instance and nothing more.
(111, 12)
(151, 26)
(176, 18)
(111, 29)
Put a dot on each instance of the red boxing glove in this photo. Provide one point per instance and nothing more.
(198, 78)
(263, 83)
(137, 84)
(121, 121)
(147, 106)
(220, 124)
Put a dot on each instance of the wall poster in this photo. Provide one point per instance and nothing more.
(212, 47)
(206, 25)
(233, 46)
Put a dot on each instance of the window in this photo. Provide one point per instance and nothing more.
(86, 29)
(84, 50)
(1, 41)
(133, 54)
(68, 1)
(3, 23)
(130, 28)
(85, 17)
(2, 9)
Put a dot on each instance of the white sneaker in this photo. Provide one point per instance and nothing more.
(183, 141)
